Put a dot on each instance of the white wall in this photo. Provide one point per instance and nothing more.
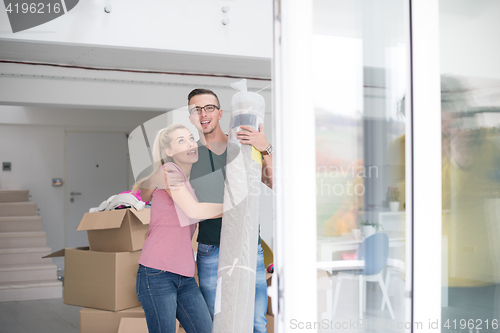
(184, 26)
(79, 88)
(33, 140)
(75, 119)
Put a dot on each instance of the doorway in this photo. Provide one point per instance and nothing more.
(96, 168)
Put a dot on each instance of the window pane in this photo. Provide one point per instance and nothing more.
(360, 81)
(470, 113)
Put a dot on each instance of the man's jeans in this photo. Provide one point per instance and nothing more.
(207, 261)
(165, 296)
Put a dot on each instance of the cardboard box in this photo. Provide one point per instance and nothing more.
(270, 323)
(122, 230)
(103, 321)
(139, 325)
(100, 280)
(133, 325)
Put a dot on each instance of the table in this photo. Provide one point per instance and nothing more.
(329, 245)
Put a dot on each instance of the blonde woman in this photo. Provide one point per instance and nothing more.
(165, 285)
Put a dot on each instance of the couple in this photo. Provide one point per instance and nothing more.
(165, 284)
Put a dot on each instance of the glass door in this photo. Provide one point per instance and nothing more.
(360, 85)
(470, 112)
(357, 214)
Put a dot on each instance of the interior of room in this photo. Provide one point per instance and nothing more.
(72, 91)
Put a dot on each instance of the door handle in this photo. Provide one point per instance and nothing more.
(75, 193)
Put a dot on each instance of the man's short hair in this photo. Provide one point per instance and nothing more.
(200, 91)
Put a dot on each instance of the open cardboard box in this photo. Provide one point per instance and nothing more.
(100, 280)
(122, 230)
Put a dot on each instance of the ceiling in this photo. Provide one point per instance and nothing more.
(135, 59)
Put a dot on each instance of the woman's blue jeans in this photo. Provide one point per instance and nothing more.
(207, 260)
(166, 296)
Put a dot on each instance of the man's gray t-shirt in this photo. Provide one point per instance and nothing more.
(207, 178)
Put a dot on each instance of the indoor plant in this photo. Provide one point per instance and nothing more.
(369, 228)
(393, 198)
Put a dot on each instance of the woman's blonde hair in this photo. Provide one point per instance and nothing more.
(163, 141)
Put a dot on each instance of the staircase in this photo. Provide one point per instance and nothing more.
(24, 274)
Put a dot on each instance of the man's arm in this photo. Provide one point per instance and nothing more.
(267, 170)
(250, 136)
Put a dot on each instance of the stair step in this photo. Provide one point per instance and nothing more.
(34, 272)
(30, 255)
(20, 223)
(14, 195)
(24, 291)
(22, 239)
(18, 209)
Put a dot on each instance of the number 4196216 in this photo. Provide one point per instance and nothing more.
(471, 324)
(34, 8)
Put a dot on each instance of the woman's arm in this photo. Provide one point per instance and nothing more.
(192, 208)
(146, 194)
(183, 198)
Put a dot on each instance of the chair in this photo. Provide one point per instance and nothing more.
(394, 267)
(374, 251)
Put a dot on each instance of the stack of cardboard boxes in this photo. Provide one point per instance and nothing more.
(102, 277)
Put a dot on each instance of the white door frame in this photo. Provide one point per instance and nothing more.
(425, 147)
(294, 163)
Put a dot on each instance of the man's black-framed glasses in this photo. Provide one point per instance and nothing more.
(208, 109)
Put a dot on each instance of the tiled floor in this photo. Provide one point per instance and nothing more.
(53, 316)
(41, 316)
(478, 306)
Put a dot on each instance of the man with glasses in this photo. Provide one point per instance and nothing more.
(207, 178)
